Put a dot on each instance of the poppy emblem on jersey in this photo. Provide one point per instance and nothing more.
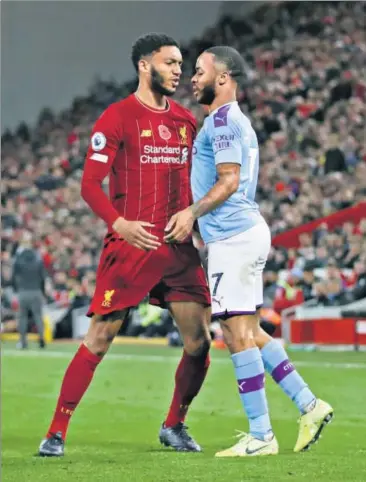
(98, 141)
(183, 135)
(107, 298)
(164, 132)
(146, 133)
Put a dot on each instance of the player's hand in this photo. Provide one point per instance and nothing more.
(179, 226)
(134, 233)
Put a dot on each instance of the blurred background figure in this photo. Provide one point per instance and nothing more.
(29, 276)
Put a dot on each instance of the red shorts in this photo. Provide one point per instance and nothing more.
(126, 275)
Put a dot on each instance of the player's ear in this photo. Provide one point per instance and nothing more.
(223, 78)
(144, 66)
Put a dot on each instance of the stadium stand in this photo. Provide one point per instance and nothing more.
(306, 95)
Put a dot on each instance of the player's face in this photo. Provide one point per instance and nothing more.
(204, 80)
(165, 70)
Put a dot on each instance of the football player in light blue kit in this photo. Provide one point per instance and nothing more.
(224, 180)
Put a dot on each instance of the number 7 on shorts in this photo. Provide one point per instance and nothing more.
(218, 277)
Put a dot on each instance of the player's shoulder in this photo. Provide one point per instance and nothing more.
(230, 116)
(183, 112)
(121, 106)
(115, 113)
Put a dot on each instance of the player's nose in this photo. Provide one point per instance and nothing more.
(178, 71)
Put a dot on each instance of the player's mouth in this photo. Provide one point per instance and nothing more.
(175, 83)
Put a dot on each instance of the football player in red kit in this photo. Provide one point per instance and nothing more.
(143, 143)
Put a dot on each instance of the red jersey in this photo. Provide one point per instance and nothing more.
(147, 154)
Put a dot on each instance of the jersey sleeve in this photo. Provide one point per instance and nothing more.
(226, 139)
(105, 141)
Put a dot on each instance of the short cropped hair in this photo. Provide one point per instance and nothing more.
(149, 43)
(231, 58)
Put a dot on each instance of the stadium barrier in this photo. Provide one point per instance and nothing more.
(340, 327)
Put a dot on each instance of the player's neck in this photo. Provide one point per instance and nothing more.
(150, 98)
(221, 100)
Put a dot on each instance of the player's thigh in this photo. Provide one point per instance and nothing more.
(231, 275)
(232, 267)
(191, 318)
(184, 279)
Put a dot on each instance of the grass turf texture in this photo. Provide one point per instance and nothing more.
(113, 433)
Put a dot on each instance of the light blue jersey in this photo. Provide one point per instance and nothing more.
(226, 137)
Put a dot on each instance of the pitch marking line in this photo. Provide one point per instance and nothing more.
(161, 359)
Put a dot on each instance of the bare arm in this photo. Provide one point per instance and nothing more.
(227, 184)
(181, 224)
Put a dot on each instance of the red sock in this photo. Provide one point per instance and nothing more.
(77, 378)
(189, 378)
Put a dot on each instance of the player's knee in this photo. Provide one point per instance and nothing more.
(98, 343)
(197, 346)
(100, 336)
(237, 336)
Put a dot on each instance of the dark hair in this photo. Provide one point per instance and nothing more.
(231, 58)
(149, 43)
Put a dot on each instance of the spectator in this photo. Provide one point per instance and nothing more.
(29, 282)
(334, 157)
(290, 291)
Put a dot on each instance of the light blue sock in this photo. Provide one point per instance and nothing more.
(249, 371)
(283, 372)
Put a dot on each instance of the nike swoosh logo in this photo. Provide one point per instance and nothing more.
(251, 452)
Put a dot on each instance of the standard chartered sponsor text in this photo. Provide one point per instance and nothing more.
(157, 155)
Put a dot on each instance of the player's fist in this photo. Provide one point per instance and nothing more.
(134, 233)
(180, 226)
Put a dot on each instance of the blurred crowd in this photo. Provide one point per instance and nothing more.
(329, 268)
(305, 93)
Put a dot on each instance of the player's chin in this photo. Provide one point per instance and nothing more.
(169, 88)
(198, 96)
(170, 91)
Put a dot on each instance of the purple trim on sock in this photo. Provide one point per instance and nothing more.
(282, 370)
(252, 384)
(228, 314)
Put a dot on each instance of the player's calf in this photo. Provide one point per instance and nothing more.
(189, 377)
(249, 370)
(78, 377)
(315, 414)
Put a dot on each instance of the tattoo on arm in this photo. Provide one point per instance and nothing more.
(226, 185)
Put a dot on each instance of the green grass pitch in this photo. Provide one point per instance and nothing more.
(113, 433)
